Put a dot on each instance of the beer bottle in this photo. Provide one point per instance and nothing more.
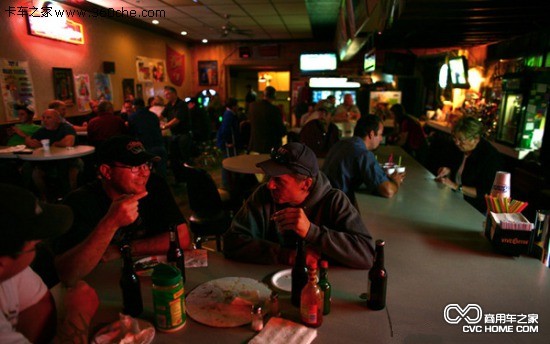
(175, 255)
(129, 283)
(299, 274)
(378, 280)
(311, 304)
(324, 284)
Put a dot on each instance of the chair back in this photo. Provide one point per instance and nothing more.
(202, 192)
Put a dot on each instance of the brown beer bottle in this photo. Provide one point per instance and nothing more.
(311, 304)
(298, 274)
(129, 283)
(378, 280)
(175, 255)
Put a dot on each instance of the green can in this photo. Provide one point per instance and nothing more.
(168, 298)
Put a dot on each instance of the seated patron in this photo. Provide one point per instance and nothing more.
(409, 133)
(61, 107)
(127, 204)
(28, 313)
(19, 132)
(60, 135)
(347, 110)
(105, 125)
(320, 134)
(298, 202)
(473, 172)
(350, 163)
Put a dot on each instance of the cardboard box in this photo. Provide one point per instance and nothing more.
(509, 241)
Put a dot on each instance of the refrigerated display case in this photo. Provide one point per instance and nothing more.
(523, 109)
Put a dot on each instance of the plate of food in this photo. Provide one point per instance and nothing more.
(126, 330)
(193, 259)
(226, 302)
(145, 266)
(282, 280)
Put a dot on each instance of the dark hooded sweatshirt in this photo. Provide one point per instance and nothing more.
(336, 230)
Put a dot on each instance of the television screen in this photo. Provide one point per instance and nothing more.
(316, 62)
(369, 63)
(458, 69)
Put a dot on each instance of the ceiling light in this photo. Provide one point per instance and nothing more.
(204, 40)
(184, 33)
(154, 21)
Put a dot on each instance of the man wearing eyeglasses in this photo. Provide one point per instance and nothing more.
(27, 310)
(127, 204)
(298, 202)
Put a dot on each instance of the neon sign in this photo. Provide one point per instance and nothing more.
(50, 21)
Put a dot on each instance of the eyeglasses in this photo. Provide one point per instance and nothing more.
(148, 166)
(462, 139)
(281, 156)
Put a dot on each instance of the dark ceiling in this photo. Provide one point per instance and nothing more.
(462, 23)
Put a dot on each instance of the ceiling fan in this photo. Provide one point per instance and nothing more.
(229, 28)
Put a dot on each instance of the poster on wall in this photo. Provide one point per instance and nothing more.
(149, 69)
(16, 83)
(176, 66)
(208, 73)
(128, 89)
(103, 87)
(139, 91)
(82, 82)
(63, 85)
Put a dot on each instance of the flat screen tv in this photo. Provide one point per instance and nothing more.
(318, 62)
(458, 70)
(369, 63)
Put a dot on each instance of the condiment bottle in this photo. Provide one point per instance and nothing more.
(129, 283)
(168, 298)
(298, 274)
(175, 255)
(324, 284)
(257, 323)
(378, 279)
(274, 309)
(311, 306)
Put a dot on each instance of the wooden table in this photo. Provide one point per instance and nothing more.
(57, 153)
(435, 256)
(245, 163)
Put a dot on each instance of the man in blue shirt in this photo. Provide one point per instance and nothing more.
(350, 162)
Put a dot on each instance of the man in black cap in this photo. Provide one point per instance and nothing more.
(298, 201)
(127, 204)
(27, 310)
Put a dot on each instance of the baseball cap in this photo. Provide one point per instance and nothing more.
(291, 158)
(125, 150)
(26, 218)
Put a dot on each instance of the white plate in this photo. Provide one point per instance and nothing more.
(144, 266)
(102, 336)
(282, 280)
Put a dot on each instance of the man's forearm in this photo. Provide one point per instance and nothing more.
(80, 260)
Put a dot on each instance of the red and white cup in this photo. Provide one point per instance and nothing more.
(501, 185)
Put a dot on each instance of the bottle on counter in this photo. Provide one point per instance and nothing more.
(378, 280)
(130, 285)
(324, 284)
(175, 255)
(311, 306)
(298, 274)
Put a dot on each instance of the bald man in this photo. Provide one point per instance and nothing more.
(60, 135)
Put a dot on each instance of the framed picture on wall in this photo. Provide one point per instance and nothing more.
(208, 73)
(128, 89)
(63, 85)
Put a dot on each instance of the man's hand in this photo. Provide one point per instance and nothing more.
(397, 177)
(293, 219)
(442, 172)
(124, 210)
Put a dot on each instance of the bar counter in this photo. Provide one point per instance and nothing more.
(435, 256)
